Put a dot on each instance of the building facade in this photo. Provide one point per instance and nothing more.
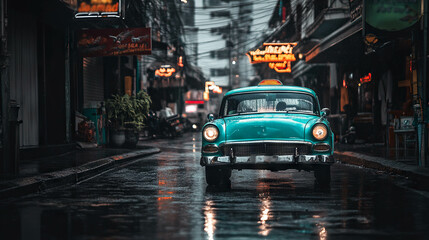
(363, 63)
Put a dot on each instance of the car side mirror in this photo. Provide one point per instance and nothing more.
(210, 117)
(325, 112)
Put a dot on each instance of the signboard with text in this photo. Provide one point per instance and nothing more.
(115, 42)
(392, 15)
(98, 8)
(278, 56)
(356, 7)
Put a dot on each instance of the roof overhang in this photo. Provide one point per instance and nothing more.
(332, 47)
(302, 68)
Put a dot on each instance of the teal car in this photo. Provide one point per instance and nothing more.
(269, 126)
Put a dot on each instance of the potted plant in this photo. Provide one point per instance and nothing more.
(126, 115)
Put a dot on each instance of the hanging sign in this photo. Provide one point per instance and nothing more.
(115, 42)
(392, 15)
(278, 56)
(355, 7)
(98, 8)
(165, 71)
(366, 78)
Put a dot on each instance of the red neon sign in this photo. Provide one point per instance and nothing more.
(366, 79)
(194, 102)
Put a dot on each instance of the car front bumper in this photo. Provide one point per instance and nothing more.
(269, 162)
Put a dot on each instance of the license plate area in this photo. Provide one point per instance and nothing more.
(258, 159)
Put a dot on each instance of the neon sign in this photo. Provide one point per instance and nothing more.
(165, 71)
(98, 8)
(366, 79)
(180, 62)
(278, 56)
(211, 86)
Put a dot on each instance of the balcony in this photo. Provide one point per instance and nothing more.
(329, 20)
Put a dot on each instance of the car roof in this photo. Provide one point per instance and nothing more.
(271, 88)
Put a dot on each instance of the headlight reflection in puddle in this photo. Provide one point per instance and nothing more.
(209, 219)
(264, 215)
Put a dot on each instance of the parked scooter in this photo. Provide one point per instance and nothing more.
(166, 125)
(170, 123)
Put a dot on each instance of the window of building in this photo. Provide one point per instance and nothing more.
(220, 30)
(217, 72)
(222, 13)
(220, 54)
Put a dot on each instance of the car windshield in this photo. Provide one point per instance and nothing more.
(285, 102)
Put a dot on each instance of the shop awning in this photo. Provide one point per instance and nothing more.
(341, 45)
(194, 77)
(302, 68)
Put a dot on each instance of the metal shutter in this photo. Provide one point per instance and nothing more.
(93, 80)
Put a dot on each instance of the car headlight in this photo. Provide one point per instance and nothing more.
(210, 133)
(320, 131)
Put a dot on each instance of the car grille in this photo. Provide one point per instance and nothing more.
(267, 148)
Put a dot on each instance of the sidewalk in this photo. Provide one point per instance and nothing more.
(39, 174)
(375, 156)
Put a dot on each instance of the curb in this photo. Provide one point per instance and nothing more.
(415, 173)
(36, 184)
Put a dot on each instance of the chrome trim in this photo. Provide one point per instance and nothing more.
(271, 91)
(282, 159)
(324, 144)
(211, 145)
(265, 141)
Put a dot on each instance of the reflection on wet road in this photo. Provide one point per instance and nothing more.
(165, 196)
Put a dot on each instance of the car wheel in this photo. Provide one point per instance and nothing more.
(218, 176)
(323, 175)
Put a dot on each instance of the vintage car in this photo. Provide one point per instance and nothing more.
(269, 126)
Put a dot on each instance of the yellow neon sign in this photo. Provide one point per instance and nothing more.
(278, 56)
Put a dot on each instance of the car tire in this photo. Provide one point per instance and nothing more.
(323, 175)
(218, 176)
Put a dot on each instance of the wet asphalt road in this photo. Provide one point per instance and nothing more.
(164, 196)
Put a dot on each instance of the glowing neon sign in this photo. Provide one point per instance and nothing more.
(366, 79)
(278, 56)
(98, 8)
(165, 71)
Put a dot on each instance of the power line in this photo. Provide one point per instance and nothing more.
(224, 48)
(230, 6)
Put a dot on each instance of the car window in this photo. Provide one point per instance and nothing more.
(269, 102)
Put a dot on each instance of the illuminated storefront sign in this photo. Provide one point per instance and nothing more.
(392, 15)
(278, 56)
(180, 62)
(366, 79)
(115, 42)
(98, 8)
(165, 71)
(211, 86)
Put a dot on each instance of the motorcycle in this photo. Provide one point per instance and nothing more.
(166, 125)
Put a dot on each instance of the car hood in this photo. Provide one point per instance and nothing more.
(277, 126)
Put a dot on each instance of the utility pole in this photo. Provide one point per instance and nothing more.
(5, 91)
(424, 104)
(229, 45)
